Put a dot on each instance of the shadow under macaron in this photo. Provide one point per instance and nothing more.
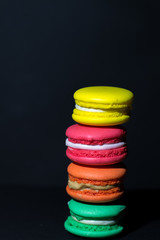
(142, 207)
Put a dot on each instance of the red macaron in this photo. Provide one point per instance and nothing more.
(90, 145)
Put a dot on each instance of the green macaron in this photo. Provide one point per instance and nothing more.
(94, 221)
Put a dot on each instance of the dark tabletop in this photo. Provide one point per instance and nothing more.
(39, 213)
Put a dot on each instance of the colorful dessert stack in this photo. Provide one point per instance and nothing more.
(96, 146)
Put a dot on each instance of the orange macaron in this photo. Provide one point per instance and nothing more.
(95, 184)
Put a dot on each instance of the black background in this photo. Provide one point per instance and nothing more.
(48, 50)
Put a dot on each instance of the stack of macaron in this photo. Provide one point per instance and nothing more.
(97, 146)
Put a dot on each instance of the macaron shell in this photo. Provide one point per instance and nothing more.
(111, 96)
(107, 157)
(95, 211)
(84, 230)
(96, 120)
(81, 196)
(97, 173)
(88, 133)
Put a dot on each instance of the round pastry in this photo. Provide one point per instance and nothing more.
(95, 221)
(90, 145)
(95, 184)
(102, 106)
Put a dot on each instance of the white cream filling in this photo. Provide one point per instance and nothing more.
(94, 147)
(89, 109)
(96, 222)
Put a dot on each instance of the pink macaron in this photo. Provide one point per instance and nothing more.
(90, 145)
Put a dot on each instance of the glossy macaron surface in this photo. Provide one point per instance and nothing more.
(103, 97)
(117, 171)
(92, 211)
(92, 134)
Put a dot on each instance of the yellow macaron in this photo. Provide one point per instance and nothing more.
(102, 105)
